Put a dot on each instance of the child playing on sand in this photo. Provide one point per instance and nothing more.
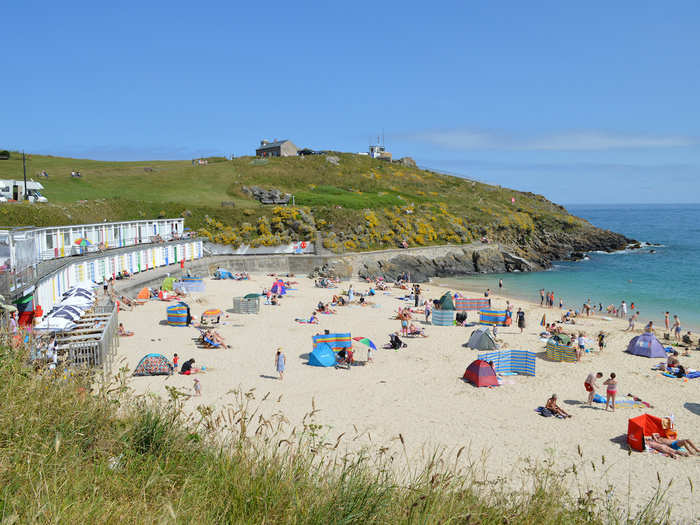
(601, 341)
(369, 355)
(197, 388)
(176, 361)
(611, 391)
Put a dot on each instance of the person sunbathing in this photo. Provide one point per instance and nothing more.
(676, 444)
(663, 448)
(415, 331)
(123, 332)
(213, 335)
(554, 408)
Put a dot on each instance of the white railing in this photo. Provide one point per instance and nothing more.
(68, 251)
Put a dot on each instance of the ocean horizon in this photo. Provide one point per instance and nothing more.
(661, 276)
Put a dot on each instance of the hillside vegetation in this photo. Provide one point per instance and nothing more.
(357, 203)
(71, 452)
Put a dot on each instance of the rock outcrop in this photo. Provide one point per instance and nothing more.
(469, 260)
(271, 196)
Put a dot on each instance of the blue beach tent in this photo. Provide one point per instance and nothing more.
(323, 355)
(646, 345)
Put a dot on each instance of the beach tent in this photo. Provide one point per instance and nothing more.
(481, 339)
(178, 314)
(473, 305)
(278, 287)
(144, 293)
(646, 345)
(511, 362)
(336, 342)
(480, 373)
(223, 274)
(640, 426)
(494, 317)
(323, 355)
(153, 365)
(560, 352)
(445, 302)
(167, 284)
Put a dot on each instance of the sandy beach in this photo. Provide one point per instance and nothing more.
(418, 391)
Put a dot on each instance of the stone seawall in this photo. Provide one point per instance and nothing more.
(420, 263)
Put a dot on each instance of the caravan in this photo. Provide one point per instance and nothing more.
(13, 190)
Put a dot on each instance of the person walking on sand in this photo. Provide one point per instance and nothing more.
(590, 385)
(581, 345)
(676, 327)
(197, 387)
(280, 363)
(428, 311)
(632, 320)
(416, 295)
(541, 296)
(521, 319)
(611, 391)
(623, 309)
(601, 341)
(667, 320)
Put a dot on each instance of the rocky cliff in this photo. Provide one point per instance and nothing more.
(536, 252)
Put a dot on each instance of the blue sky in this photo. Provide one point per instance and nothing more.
(590, 102)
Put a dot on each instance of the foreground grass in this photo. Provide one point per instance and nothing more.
(68, 455)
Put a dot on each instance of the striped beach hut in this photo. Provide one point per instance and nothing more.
(336, 342)
(493, 317)
(178, 314)
(443, 317)
(559, 352)
(472, 305)
(511, 361)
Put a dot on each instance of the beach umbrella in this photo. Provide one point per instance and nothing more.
(82, 241)
(365, 341)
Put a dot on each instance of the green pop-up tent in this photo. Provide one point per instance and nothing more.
(446, 302)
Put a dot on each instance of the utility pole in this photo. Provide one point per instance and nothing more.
(24, 167)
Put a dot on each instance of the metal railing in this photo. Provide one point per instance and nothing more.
(100, 352)
(68, 251)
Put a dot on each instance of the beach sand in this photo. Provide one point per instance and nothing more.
(418, 391)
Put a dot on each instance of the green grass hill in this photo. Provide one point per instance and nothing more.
(357, 203)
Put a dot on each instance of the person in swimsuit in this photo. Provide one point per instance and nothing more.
(590, 385)
(662, 448)
(667, 320)
(676, 328)
(555, 408)
(677, 444)
(611, 391)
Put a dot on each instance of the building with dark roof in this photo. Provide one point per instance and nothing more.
(278, 148)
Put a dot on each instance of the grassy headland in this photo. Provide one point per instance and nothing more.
(357, 203)
(71, 452)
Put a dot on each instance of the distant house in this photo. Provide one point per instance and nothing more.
(278, 148)
(378, 152)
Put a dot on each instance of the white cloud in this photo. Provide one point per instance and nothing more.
(471, 140)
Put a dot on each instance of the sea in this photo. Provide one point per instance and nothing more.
(662, 276)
